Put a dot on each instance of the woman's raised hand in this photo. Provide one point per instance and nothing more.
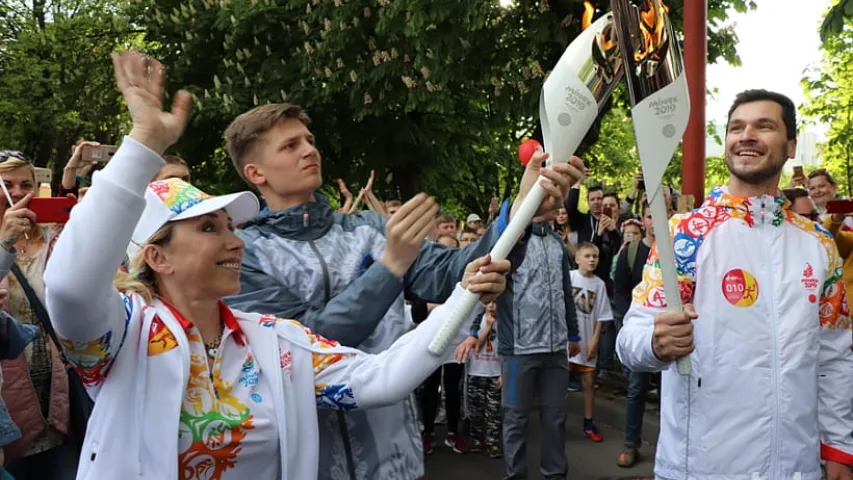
(142, 82)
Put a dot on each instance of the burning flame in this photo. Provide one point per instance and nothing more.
(654, 42)
(605, 40)
(588, 13)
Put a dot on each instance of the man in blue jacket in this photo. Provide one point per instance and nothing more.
(344, 275)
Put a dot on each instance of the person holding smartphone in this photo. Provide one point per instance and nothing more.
(844, 241)
(35, 385)
(608, 239)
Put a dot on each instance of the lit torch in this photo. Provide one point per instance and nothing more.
(660, 110)
(569, 103)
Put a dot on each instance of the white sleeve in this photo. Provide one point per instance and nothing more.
(89, 314)
(634, 341)
(360, 380)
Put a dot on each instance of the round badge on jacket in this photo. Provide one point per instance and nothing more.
(740, 288)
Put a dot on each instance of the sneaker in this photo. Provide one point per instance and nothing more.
(476, 447)
(495, 452)
(441, 417)
(574, 386)
(628, 458)
(591, 432)
(456, 442)
(429, 440)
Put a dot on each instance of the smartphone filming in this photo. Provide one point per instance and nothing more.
(52, 209)
(46, 209)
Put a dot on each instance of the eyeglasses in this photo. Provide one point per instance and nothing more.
(7, 154)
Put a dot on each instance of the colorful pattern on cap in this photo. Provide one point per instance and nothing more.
(178, 195)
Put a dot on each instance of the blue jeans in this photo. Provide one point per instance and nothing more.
(635, 407)
(607, 346)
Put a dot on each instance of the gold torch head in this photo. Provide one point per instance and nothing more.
(651, 46)
(648, 45)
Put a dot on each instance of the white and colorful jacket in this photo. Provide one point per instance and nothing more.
(771, 388)
(138, 374)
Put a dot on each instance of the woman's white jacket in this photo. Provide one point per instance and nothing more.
(133, 431)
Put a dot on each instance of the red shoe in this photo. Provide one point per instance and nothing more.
(591, 432)
(428, 440)
(456, 442)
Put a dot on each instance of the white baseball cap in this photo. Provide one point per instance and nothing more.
(474, 218)
(174, 199)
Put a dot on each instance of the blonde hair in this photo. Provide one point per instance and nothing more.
(15, 163)
(140, 277)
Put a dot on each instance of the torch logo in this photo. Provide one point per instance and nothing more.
(810, 283)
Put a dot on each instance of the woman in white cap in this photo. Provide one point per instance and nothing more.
(183, 386)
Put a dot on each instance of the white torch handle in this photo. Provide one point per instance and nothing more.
(519, 222)
(666, 255)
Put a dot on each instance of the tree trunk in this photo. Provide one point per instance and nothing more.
(38, 14)
(409, 178)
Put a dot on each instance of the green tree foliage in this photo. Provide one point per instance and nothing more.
(56, 82)
(432, 95)
(835, 19)
(829, 92)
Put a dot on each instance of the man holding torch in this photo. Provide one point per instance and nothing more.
(768, 333)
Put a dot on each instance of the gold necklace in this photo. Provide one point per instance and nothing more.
(212, 348)
(23, 248)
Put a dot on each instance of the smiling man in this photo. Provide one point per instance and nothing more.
(769, 339)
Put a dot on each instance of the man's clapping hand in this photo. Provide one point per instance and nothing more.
(405, 233)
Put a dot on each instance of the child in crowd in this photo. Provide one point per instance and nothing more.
(593, 308)
(484, 387)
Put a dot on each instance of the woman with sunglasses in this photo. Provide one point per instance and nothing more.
(35, 384)
(184, 387)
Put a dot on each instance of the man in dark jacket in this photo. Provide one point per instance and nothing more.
(596, 228)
